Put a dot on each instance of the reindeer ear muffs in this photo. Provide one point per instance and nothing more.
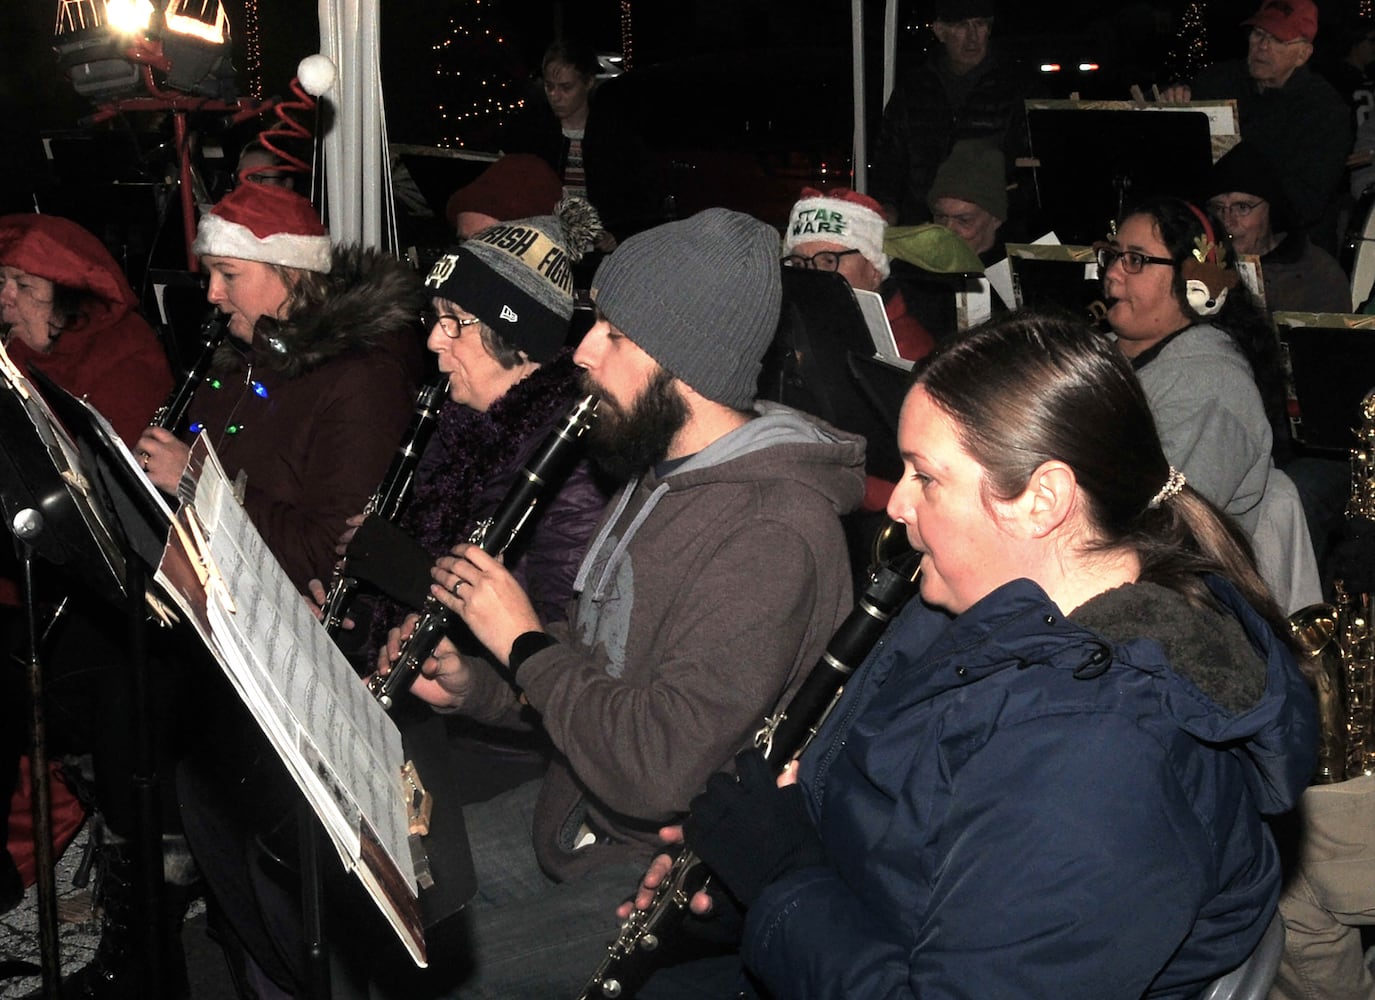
(1207, 278)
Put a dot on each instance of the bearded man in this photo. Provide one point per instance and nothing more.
(716, 579)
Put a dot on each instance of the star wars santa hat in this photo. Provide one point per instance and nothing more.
(841, 216)
(267, 223)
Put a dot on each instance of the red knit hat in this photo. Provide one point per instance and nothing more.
(267, 223)
(517, 186)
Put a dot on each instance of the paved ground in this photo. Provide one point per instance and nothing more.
(79, 933)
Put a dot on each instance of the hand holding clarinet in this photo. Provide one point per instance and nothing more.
(478, 589)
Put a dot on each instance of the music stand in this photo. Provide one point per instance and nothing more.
(1054, 277)
(139, 529)
(808, 367)
(1096, 159)
(1331, 360)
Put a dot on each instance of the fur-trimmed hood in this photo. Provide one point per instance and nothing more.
(370, 295)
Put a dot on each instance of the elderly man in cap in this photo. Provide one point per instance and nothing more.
(964, 90)
(716, 579)
(1287, 111)
(969, 197)
(1244, 193)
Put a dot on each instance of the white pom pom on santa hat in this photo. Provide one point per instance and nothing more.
(316, 74)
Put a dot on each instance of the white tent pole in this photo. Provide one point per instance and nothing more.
(890, 48)
(861, 139)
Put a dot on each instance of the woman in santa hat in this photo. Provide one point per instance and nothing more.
(313, 388)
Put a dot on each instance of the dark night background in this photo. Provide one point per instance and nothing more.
(794, 52)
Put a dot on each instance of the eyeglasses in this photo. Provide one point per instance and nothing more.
(429, 317)
(822, 260)
(1259, 36)
(1132, 262)
(964, 221)
(1241, 209)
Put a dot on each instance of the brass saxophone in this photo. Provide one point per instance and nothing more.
(169, 415)
(1338, 641)
(535, 484)
(389, 498)
(630, 959)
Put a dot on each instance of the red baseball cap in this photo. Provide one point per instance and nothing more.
(1287, 19)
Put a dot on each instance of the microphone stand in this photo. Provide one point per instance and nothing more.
(28, 526)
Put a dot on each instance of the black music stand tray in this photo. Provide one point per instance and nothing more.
(811, 368)
(1054, 277)
(86, 533)
(1331, 360)
(1095, 163)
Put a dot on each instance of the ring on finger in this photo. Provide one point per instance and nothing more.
(457, 584)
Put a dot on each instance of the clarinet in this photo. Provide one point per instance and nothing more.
(169, 415)
(389, 498)
(536, 482)
(631, 957)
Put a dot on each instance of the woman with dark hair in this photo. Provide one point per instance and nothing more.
(591, 142)
(1209, 363)
(1051, 777)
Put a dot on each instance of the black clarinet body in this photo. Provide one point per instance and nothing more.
(171, 413)
(537, 482)
(390, 497)
(632, 957)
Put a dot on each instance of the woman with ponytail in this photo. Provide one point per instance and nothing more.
(1051, 777)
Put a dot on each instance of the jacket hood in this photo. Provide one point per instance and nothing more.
(370, 296)
(779, 444)
(66, 254)
(782, 443)
(1247, 696)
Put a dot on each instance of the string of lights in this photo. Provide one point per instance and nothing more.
(253, 49)
(627, 41)
(1189, 53)
(476, 89)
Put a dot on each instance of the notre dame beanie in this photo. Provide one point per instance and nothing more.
(517, 277)
(701, 297)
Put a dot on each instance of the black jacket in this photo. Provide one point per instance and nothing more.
(929, 112)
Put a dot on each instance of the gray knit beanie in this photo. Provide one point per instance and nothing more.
(701, 297)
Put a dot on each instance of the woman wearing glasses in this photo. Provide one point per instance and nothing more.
(498, 323)
(1209, 363)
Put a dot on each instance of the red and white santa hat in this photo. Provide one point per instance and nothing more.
(839, 216)
(268, 223)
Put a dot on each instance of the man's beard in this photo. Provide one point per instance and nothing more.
(628, 443)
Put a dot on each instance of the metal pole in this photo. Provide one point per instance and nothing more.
(27, 526)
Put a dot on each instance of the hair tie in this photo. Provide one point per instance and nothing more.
(1174, 482)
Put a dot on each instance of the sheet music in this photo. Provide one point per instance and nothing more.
(876, 319)
(340, 746)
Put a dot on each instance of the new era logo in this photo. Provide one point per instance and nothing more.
(509, 315)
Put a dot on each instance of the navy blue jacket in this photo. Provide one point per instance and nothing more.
(1016, 803)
